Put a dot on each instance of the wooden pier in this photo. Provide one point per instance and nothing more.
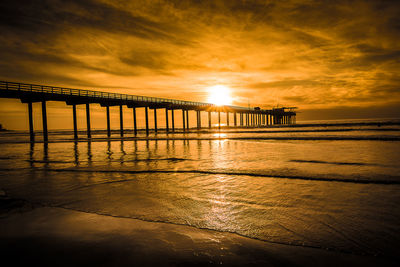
(242, 116)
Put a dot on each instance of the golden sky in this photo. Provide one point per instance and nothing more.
(325, 57)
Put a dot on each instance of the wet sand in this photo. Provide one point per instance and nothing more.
(51, 236)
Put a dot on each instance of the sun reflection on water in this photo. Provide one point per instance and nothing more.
(219, 135)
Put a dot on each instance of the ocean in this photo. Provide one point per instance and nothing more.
(332, 185)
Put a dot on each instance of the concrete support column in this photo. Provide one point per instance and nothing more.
(183, 119)
(219, 120)
(187, 119)
(227, 119)
(74, 121)
(198, 119)
(209, 119)
(108, 121)
(89, 134)
(134, 121)
(44, 121)
(166, 120)
(235, 119)
(146, 111)
(30, 114)
(173, 120)
(155, 120)
(121, 121)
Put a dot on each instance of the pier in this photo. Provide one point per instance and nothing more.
(242, 116)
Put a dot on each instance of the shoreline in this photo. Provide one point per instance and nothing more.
(63, 237)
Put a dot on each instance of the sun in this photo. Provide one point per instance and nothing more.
(219, 95)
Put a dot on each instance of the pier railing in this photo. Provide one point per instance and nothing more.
(52, 90)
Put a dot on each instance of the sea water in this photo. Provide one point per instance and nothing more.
(325, 185)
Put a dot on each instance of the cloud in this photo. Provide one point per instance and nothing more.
(306, 53)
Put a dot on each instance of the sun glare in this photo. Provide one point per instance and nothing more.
(219, 95)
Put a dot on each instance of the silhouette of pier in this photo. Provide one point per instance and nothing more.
(242, 116)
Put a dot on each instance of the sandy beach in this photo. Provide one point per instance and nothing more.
(51, 236)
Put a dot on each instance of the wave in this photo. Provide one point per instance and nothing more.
(395, 180)
(333, 162)
(82, 161)
(256, 138)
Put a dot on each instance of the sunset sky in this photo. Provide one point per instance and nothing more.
(332, 59)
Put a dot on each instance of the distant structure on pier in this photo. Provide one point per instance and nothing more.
(242, 116)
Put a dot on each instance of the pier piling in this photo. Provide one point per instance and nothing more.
(75, 122)
(108, 121)
(31, 131)
(166, 120)
(146, 110)
(173, 120)
(155, 120)
(89, 135)
(219, 120)
(121, 121)
(183, 119)
(187, 119)
(134, 121)
(44, 121)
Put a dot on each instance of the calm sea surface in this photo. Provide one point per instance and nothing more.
(328, 185)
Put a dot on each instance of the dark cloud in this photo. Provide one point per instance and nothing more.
(286, 83)
(50, 16)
